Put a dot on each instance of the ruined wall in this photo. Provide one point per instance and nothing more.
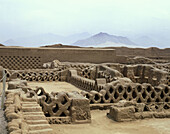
(112, 92)
(152, 52)
(71, 106)
(24, 114)
(58, 107)
(130, 110)
(143, 73)
(18, 58)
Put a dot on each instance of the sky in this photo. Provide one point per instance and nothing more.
(131, 18)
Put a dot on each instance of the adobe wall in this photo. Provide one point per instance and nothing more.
(18, 58)
(152, 53)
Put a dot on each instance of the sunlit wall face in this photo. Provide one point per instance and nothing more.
(129, 18)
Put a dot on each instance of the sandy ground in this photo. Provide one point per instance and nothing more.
(103, 125)
(55, 86)
(100, 123)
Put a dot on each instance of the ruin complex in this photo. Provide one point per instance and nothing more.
(129, 87)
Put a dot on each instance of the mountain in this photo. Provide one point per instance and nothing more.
(1, 45)
(151, 40)
(145, 40)
(102, 39)
(35, 40)
(45, 39)
(10, 42)
(73, 38)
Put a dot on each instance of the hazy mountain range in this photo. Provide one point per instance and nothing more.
(44, 39)
(147, 41)
(85, 40)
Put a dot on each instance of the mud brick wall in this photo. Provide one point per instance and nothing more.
(141, 93)
(20, 62)
(143, 73)
(64, 104)
(128, 111)
(110, 93)
(19, 58)
(24, 114)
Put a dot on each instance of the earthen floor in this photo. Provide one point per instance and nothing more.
(103, 125)
(55, 86)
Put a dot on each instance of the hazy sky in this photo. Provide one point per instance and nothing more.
(120, 17)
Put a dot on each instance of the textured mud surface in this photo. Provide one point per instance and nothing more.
(102, 125)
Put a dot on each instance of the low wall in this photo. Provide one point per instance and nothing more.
(129, 110)
(19, 58)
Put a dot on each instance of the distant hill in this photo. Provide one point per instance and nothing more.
(73, 38)
(61, 46)
(146, 41)
(1, 45)
(35, 40)
(104, 39)
(10, 42)
(44, 39)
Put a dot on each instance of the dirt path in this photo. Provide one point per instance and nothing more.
(102, 125)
